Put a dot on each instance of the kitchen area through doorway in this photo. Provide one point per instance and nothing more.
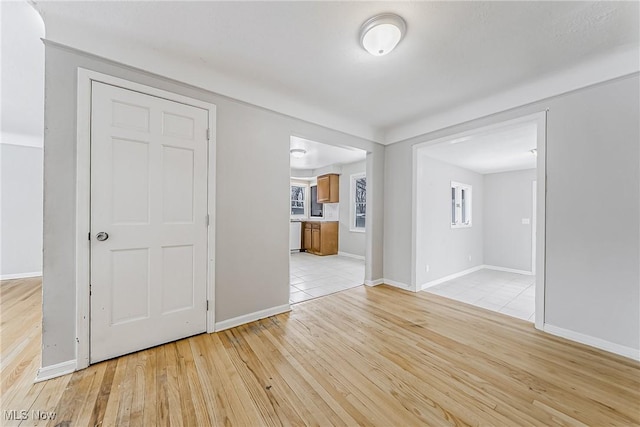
(328, 218)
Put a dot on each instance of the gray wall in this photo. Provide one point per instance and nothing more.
(21, 204)
(593, 208)
(252, 155)
(444, 249)
(351, 242)
(397, 213)
(508, 198)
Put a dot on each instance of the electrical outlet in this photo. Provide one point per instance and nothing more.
(469, 257)
(426, 268)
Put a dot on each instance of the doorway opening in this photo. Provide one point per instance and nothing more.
(477, 234)
(327, 235)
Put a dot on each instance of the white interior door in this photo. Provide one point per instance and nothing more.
(148, 221)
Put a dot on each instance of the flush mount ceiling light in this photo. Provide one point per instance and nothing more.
(380, 34)
(298, 152)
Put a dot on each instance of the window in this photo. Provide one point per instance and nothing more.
(358, 202)
(460, 205)
(298, 200)
(316, 208)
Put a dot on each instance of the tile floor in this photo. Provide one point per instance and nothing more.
(313, 276)
(508, 293)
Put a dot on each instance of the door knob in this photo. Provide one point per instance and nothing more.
(102, 236)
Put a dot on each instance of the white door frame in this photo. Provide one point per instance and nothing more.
(540, 119)
(83, 200)
(534, 224)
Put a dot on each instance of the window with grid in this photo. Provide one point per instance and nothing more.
(298, 200)
(358, 202)
(460, 205)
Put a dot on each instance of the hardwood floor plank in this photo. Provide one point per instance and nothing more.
(344, 400)
(307, 374)
(48, 398)
(518, 366)
(422, 399)
(119, 382)
(266, 404)
(175, 407)
(285, 379)
(194, 389)
(79, 389)
(241, 409)
(366, 356)
(162, 389)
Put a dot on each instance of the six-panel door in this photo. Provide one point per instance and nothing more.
(149, 195)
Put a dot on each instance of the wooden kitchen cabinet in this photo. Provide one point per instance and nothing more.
(320, 238)
(329, 188)
(315, 241)
(306, 236)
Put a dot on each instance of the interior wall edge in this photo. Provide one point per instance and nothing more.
(621, 350)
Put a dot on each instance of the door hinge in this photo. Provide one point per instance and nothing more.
(89, 236)
(208, 134)
(207, 305)
(207, 220)
(89, 289)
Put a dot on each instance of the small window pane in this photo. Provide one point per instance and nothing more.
(297, 200)
(360, 202)
(460, 205)
(464, 205)
(361, 214)
(316, 208)
(453, 205)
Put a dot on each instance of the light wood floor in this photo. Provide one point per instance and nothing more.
(368, 356)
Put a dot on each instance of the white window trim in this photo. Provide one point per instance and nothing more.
(469, 189)
(352, 203)
(307, 193)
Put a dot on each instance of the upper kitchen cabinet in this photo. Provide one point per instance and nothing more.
(329, 188)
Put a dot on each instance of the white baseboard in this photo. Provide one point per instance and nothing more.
(618, 349)
(450, 277)
(347, 254)
(20, 275)
(54, 371)
(397, 284)
(508, 270)
(251, 317)
(374, 282)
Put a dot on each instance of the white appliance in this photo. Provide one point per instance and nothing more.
(295, 230)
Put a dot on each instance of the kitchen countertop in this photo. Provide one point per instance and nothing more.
(313, 220)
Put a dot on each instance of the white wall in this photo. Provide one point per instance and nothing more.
(21, 209)
(508, 198)
(350, 242)
(21, 140)
(443, 249)
(593, 208)
(22, 69)
(252, 155)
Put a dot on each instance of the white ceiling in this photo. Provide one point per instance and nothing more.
(22, 69)
(499, 150)
(321, 155)
(304, 59)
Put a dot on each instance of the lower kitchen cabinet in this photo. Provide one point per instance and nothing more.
(320, 238)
